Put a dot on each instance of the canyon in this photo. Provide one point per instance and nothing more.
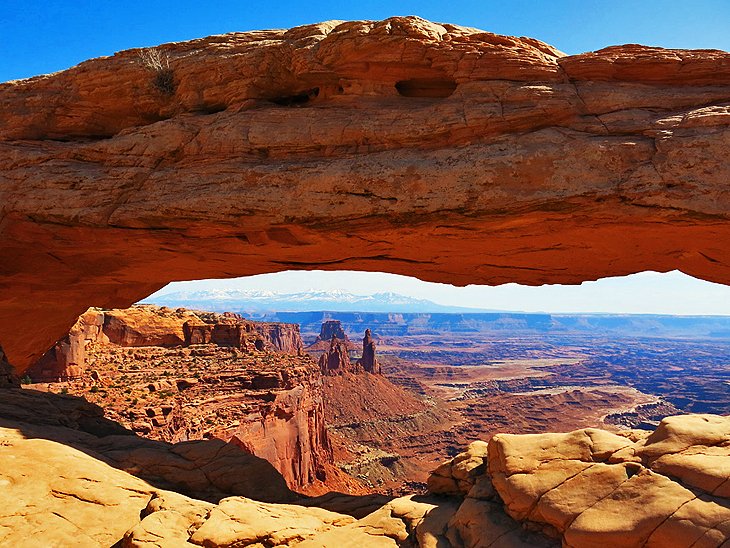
(405, 146)
(584, 488)
(180, 375)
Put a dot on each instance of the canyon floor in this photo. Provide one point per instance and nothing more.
(480, 384)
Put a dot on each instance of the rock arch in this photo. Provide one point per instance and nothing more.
(529, 166)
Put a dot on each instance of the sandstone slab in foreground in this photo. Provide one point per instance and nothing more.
(591, 488)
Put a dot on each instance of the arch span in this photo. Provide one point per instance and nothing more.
(536, 167)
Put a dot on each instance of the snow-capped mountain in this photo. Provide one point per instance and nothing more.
(238, 300)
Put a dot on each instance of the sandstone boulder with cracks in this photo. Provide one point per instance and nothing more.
(594, 488)
(526, 491)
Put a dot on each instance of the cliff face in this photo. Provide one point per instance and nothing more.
(291, 433)
(336, 360)
(227, 386)
(283, 337)
(432, 140)
(147, 325)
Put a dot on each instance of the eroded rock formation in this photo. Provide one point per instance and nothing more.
(336, 360)
(332, 328)
(399, 145)
(176, 376)
(147, 325)
(368, 361)
(87, 494)
(329, 329)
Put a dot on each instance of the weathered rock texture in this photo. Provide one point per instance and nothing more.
(336, 360)
(443, 152)
(226, 386)
(79, 497)
(592, 488)
(329, 329)
(587, 488)
(368, 361)
(146, 325)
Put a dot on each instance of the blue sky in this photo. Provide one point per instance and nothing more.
(41, 36)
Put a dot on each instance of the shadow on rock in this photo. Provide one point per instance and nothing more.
(208, 470)
(203, 469)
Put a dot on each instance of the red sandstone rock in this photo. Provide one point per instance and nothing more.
(67, 358)
(368, 361)
(281, 337)
(7, 377)
(146, 325)
(267, 401)
(398, 145)
(329, 329)
(336, 360)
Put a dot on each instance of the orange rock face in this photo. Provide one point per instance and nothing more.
(226, 387)
(336, 360)
(594, 488)
(442, 152)
(146, 325)
(368, 361)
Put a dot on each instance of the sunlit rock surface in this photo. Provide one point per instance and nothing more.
(594, 488)
(97, 484)
(425, 149)
(178, 375)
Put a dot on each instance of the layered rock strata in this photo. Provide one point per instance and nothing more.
(146, 325)
(167, 375)
(336, 360)
(369, 362)
(82, 497)
(7, 376)
(397, 145)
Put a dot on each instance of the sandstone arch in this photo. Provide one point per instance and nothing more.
(536, 167)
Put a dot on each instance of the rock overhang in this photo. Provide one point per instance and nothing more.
(431, 150)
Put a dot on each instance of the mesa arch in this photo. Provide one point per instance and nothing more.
(437, 151)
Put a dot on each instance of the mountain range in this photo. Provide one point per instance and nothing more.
(256, 302)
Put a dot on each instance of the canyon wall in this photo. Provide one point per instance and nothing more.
(281, 337)
(146, 325)
(246, 383)
(447, 153)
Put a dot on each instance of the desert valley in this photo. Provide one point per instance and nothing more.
(371, 418)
